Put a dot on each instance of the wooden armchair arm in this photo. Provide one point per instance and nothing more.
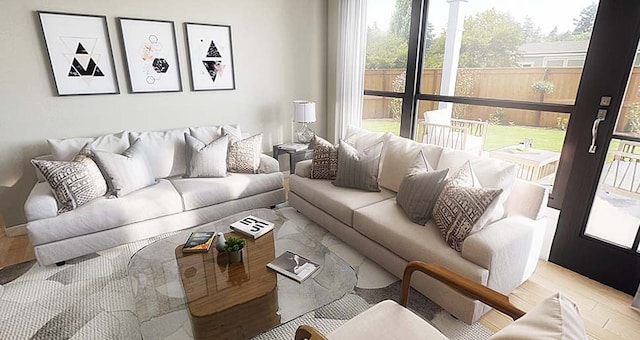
(306, 332)
(461, 284)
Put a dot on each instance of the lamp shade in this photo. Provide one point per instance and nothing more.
(304, 111)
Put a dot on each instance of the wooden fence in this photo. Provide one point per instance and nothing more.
(498, 83)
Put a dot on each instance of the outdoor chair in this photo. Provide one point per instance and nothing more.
(554, 318)
(440, 129)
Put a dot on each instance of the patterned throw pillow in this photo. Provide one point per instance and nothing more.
(243, 155)
(358, 169)
(74, 183)
(460, 204)
(324, 164)
(126, 172)
(206, 160)
(419, 190)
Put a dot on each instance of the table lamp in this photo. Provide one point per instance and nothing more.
(304, 112)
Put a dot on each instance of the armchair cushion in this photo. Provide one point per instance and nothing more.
(556, 317)
(386, 320)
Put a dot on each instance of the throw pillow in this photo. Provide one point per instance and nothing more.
(74, 183)
(127, 172)
(243, 155)
(556, 317)
(207, 134)
(358, 169)
(324, 164)
(206, 160)
(460, 204)
(419, 190)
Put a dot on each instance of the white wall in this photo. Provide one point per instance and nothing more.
(279, 47)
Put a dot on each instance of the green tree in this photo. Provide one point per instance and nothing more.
(385, 50)
(401, 19)
(584, 24)
(490, 39)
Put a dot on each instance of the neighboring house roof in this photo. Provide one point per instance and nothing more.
(554, 47)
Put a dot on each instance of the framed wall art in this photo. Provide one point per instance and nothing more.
(210, 57)
(79, 51)
(151, 54)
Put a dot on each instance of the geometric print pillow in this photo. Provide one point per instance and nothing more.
(460, 205)
(324, 164)
(74, 183)
(243, 155)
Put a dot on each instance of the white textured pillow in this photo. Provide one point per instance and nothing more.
(127, 172)
(206, 160)
(165, 151)
(557, 317)
(494, 173)
(453, 159)
(363, 138)
(243, 155)
(207, 134)
(66, 149)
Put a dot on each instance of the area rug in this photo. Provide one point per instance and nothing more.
(91, 297)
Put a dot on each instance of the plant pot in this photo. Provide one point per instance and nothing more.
(235, 256)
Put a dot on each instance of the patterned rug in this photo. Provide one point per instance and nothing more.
(91, 297)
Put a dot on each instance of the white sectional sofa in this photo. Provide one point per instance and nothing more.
(173, 203)
(501, 256)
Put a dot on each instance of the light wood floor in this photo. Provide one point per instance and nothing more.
(606, 311)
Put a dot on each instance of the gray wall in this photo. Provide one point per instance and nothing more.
(280, 54)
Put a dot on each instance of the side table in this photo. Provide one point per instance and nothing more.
(294, 156)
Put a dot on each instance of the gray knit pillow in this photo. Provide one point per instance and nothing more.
(419, 190)
(127, 172)
(358, 169)
(206, 160)
(74, 183)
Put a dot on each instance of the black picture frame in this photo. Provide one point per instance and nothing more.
(76, 45)
(210, 54)
(151, 53)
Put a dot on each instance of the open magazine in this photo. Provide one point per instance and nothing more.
(293, 266)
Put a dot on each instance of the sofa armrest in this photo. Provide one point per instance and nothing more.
(268, 164)
(303, 168)
(508, 248)
(527, 199)
(41, 203)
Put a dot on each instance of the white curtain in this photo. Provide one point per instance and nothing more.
(352, 40)
(636, 300)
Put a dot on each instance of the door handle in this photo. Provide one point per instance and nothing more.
(602, 114)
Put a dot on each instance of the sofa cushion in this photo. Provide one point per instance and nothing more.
(202, 192)
(399, 154)
(363, 138)
(104, 213)
(207, 134)
(126, 172)
(206, 160)
(385, 223)
(243, 155)
(324, 164)
(74, 183)
(165, 151)
(556, 317)
(460, 205)
(358, 169)
(338, 202)
(66, 149)
(419, 190)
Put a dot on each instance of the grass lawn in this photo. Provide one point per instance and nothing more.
(498, 136)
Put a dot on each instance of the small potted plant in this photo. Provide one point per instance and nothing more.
(233, 246)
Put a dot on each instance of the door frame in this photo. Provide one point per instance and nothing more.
(607, 68)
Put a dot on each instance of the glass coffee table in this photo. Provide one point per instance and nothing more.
(218, 293)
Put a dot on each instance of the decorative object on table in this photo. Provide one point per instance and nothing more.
(220, 240)
(79, 51)
(252, 226)
(152, 55)
(293, 266)
(304, 113)
(198, 242)
(210, 57)
(294, 146)
(233, 246)
(525, 145)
